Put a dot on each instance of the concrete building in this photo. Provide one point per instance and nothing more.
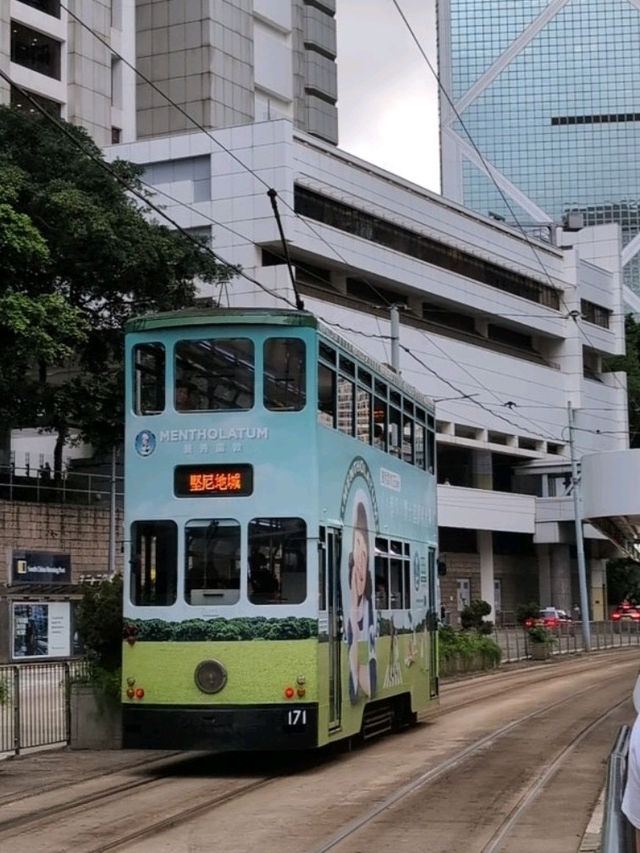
(541, 122)
(502, 330)
(232, 99)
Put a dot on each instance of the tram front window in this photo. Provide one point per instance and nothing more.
(149, 367)
(277, 561)
(153, 563)
(214, 375)
(212, 553)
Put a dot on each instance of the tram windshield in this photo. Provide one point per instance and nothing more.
(277, 561)
(212, 572)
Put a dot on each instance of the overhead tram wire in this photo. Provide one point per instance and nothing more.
(233, 268)
(230, 154)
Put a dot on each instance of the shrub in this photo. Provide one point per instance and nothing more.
(470, 650)
(540, 634)
(472, 616)
(98, 619)
(527, 611)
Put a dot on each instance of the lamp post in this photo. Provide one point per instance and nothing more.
(577, 513)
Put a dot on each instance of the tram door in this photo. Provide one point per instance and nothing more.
(432, 622)
(334, 614)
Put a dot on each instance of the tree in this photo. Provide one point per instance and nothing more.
(98, 618)
(623, 581)
(79, 255)
(630, 363)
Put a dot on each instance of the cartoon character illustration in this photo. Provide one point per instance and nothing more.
(361, 621)
(393, 676)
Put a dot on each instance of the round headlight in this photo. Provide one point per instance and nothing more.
(210, 676)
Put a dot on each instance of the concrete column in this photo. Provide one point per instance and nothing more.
(485, 548)
(560, 578)
(597, 571)
(482, 470)
(544, 574)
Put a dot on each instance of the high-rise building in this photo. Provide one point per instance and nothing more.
(107, 65)
(541, 118)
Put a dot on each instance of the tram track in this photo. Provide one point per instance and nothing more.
(472, 750)
(125, 816)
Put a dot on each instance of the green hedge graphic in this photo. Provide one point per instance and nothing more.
(240, 628)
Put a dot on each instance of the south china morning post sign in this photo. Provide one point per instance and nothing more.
(40, 567)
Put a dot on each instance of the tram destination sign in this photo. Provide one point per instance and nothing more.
(212, 481)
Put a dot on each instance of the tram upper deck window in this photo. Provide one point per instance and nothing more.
(154, 546)
(363, 415)
(284, 374)
(277, 561)
(212, 558)
(149, 369)
(217, 375)
(345, 405)
(326, 396)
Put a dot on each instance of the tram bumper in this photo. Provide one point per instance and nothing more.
(222, 728)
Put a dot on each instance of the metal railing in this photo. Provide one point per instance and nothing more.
(516, 645)
(35, 704)
(617, 832)
(40, 486)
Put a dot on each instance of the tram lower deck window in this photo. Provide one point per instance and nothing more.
(212, 562)
(277, 561)
(153, 563)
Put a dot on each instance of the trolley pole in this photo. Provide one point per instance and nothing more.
(577, 512)
(395, 338)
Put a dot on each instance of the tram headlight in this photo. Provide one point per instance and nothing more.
(210, 676)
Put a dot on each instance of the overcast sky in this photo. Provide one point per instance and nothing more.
(387, 96)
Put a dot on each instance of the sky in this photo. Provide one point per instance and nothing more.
(387, 96)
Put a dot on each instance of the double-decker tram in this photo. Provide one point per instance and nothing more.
(280, 517)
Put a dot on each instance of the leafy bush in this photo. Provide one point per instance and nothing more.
(99, 622)
(540, 634)
(472, 616)
(5, 690)
(220, 629)
(468, 649)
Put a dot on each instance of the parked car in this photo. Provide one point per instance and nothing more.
(625, 614)
(554, 619)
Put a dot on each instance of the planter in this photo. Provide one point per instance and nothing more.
(540, 651)
(96, 719)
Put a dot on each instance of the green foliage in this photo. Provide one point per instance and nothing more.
(527, 611)
(540, 634)
(99, 622)
(5, 691)
(79, 255)
(623, 581)
(472, 615)
(471, 651)
(630, 363)
(219, 629)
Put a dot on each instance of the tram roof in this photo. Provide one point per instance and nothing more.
(201, 316)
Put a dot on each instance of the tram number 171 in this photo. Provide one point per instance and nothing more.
(296, 719)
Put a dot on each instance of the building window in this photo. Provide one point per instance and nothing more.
(34, 50)
(116, 133)
(595, 314)
(28, 101)
(49, 7)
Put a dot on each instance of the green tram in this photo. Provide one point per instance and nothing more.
(280, 529)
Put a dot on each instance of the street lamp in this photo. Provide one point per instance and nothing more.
(577, 512)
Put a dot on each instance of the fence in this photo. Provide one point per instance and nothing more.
(40, 486)
(35, 703)
(515, 643)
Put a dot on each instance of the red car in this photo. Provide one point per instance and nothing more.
(626, 612)
(554, 619)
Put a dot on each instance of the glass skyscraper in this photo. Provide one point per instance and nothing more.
(546, 95)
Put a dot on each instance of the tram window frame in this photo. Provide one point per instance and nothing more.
(408, 425)
(420, 445)
(346, 403)
(431, 451)
(392, 571)
(292, 387)
(365, 378)
(326, 406)
(277, 550)
(163, 554)
(363, 421)
(380, 423)
(209, 389)
(154, 371)
(227, 579)
(394, 430)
